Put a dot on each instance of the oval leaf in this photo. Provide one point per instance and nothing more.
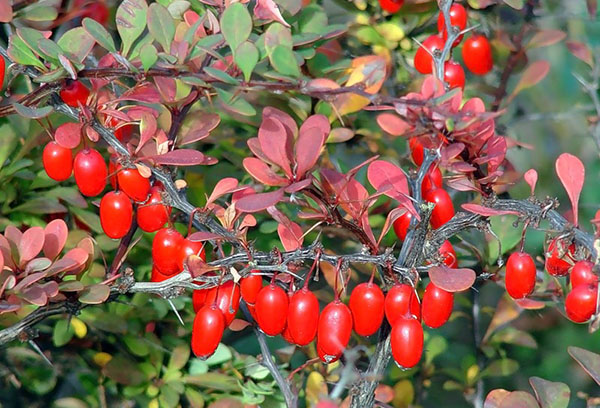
(519, 399)
(452, 280)
(95, 294)
(588, 360)
(486, 211)
(571, 172)
(55, 237)
(68, 135)
(550, 394)
(31, 244)
(183, 157)
(531, 178)
(259, 202)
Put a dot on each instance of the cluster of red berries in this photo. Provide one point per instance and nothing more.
(476, 51)
(581, 301)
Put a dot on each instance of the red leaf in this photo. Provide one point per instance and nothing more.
(68, 135)
(495, 397)
(6, 252)
(62, 265)
(389, 221)
(224, 186)
(55, 238)
(145, 92)
(259, 202)
(201, 128)
(450, 152)
(297, 186)
(571, 172)
(461, 184)
(313, 134)
(268, 10)
(531, 178)
(148, 127)
(238, 325)
(486, 211)
(530, 304)
(391, 181)
(519, 399)
(203, 236)
(276, 144)
(286, 120)
(31, 244)
(183, 157)
(263, 173)
(392, 124)
(35, 295)
(581, 51)
(452, 280)
(544, 38)
(533, 74)
(245, 191)
(13, 234)
(290, 235)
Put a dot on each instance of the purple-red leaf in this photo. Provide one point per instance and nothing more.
(452, 280)
(29, 280)
(183, 157)
(589, 361)
(495, 397)
(148, 127)
(203, 236)
(531, 178)
(581, 51)
(391, 181)
(392, 124)
(68, 135)
(290, 235)
(201, 128)
(55, 235)
(571, 172)
(519, 399)
(486, 211)
(224, 186)
(31, 244)
(262, 172)
(259, 202)
(544, 38)
(533, 74)
(145, 92)
(311, 139)
(276, 144)
(268, 10)
(238, 325)
(550, 394)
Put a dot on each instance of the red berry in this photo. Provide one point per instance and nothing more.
(96, 11)
(287, 335)
(580, 303)
(454, 74)
(423, 59)
(133, 183)
(116, 213)
(477, 54)
(335, 328)
(397, 302)
(73, 93)
(58, 160)
(207, 331)
(327, 359)
(433, 179)
(448, 254)
(458, 18)
(402, 224)
(303, 316)
(367, 307)
(159, 277)
(227, 298)
(188, 248)
(166, 247)
(250, 286)
(437, 306)
(443, 210)
(2, 71)
(90, 172)
(558, 265)
(407, 342)
(122, 132)
(582, 274)
(198, 298)
(391, 6)
(152, 215)
(272, 309)
(520, 275)
(417, 151)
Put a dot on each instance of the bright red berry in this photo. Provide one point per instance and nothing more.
(454, 74)
(367, 307)
(417, 151)
(227, 297)
(116, 213)
(157, 276)
(133, 183)
(458, 18)
(198, 297)
(58, 161)
(2, 72)
(327, 359)
(580, 303)
(90, 172)
(582, 274)
(437, 306)
(558, 258)
(391, 6)
(520, 275)
(402, 301)
(423, 59)
(188, 248)
(250, 286)
(153, 214)
(96, 11)
(303, 316)
(74, 93)
(433, 179)
(166, 247)
(122, 132)
(402, 224)
(443, 210)
(335, 328)
(477, 54)
(407, 342)
(112, 171)
(207, 331)
(449, 255)
(271, 309)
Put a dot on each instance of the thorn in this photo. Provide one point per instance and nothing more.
(39, 351)
(176, 312)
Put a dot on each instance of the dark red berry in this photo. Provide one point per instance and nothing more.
(558, 258)
(133, 183)
(227, 298)
(417, 151)
(367, 307)
(335, 328)
(448, 255)
(250, 286)
(454, 75)
(402, 224)
(391, 6)
(458, 18)
(443, 210)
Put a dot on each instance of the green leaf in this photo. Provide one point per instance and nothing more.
(95, 294)
(198, 366)
(216, 381)
(131, 21)
(49, 49)
(148, 56)
(550, 394)
(500, 368)
(194, 398)
(179, 357)
(32, 112)
(283, 60)
(40, 11)
(31, 37)
(8, 142)
(236, 25)
(221, 355)
(97, 30)
(312, 19)
(20, 52)
(277, 34)
(161, 26)
(62, 333)
(237, 105)
(77, 42)
(588, 360)
(246, 58)
(51, 76)
(123, 371)
(41, 205)
(137, 345)
(205, 45)
(516, 4)
(221, 76)
(168, 398)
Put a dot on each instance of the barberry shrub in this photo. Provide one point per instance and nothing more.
(292, 203)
